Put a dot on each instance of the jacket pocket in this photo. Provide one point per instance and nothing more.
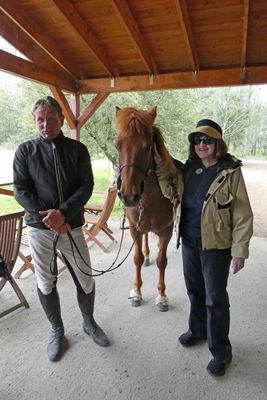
(223, 200)
(223, 205)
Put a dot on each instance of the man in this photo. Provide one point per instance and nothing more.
(53, 180)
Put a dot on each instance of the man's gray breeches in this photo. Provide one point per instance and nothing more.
(41, 246)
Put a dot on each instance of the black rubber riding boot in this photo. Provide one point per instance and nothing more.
(86, 304)
(51, 306)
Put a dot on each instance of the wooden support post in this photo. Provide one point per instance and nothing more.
(72, 111)
(75, 106)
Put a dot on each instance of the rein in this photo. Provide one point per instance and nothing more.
(97, 272)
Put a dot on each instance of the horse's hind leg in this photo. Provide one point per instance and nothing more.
(162, 300)
(135, 294)
(146, 251)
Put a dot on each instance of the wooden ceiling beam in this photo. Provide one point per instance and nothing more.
(187, 32)
(13, 10)
(26, 69)
(178, 80)
(24, 44)
(137, 38)
(81, 27)
(245, 34)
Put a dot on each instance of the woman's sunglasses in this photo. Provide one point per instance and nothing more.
(205, 139)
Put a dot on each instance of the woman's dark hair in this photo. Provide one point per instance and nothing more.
(220, 147)
(47, 101)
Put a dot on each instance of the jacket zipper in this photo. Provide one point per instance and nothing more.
(57, 172)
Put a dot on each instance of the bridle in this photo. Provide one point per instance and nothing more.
(145, 172)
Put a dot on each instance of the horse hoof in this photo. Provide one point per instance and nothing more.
(136, 302)
(162, 303)
(135, 298)
(163, 306)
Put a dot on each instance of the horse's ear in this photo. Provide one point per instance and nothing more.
(153, 112)
(117, 109)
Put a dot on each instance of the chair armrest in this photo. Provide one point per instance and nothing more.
(93, 209)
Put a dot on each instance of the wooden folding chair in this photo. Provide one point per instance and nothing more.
(26, 258)
(10, 237)
(96, 218)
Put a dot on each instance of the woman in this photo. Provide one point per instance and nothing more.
(215, 224)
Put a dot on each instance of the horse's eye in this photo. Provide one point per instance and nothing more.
(148, 147)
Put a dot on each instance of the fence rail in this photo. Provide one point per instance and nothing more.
(7, 192)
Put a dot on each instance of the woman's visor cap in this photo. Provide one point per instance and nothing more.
(206, 127)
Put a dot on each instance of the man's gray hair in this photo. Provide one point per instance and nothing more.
(47, 101)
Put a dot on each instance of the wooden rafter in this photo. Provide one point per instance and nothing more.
(91, 108)
(187, 31)
(75, 105)
(39, 36)
(132, 28)
(178, 80)
(26, 69)
(67, 111)
(229, 35)
(245, 34)
(72, 111)
(81, 27)
(24, 44)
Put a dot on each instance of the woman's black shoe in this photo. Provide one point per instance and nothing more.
(187, 339)
(218, 367)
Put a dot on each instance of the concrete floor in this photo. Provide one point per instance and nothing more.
(144, 361)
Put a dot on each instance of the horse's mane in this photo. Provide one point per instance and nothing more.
(132, 121)
(162, 150)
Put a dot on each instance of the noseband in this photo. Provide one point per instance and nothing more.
(135, 166)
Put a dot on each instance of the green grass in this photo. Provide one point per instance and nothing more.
(102, 176)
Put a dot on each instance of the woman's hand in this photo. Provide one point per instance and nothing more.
(237, 264)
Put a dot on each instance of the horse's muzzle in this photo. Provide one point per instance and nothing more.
(130, 201)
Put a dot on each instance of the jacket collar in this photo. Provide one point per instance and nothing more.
(228, 161)
(57, 140)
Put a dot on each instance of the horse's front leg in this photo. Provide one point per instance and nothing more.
(135, 294)
(162, 299)
(146, 250)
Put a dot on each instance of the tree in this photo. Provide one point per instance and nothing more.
(239, 110)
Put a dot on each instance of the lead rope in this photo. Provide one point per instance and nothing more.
(53, 262)
(111, 267)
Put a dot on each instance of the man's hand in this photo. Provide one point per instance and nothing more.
(54, 220)
(63, 229)
(237, 264)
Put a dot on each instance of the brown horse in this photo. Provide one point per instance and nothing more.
(146, 208)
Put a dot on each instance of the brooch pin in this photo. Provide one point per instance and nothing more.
(199, 171)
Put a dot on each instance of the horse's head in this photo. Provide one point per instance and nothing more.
(135, 152)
